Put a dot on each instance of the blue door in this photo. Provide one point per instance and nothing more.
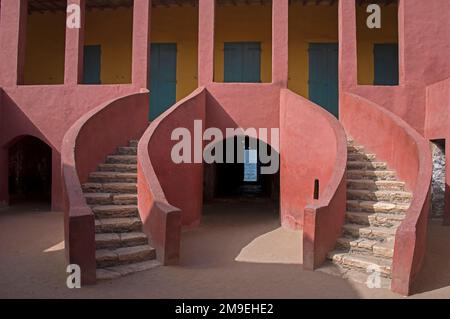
(323, 76)
(386, 64)
(163, 77)
(92, 63)
(242, 62)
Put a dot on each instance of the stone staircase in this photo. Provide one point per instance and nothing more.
(376, 205)
(111, 192)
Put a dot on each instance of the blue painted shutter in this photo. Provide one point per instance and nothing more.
(242, 62)
(386, 64)
(92, 64)
(163, 77)
(323, 76)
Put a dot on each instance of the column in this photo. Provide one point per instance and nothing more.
(73, 66)
(141, 42)
(206, 42)
(280, 26)
(13, 25)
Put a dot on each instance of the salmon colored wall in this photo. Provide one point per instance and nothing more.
(367, 37)
(308, 24)
(44, 61)
(113, 30)
(244, 24)
(180, 25)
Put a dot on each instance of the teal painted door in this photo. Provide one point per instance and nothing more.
(386, 64)
(323, 76)
(242, 62)
(92, 64)
(163, 77)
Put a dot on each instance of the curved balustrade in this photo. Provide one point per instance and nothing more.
(313, 146)
(406, 151)
(169, 194)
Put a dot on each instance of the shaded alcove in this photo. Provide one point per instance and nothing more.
(233, 179)
(29, 171)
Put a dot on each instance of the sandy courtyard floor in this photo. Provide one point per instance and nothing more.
(239, 251)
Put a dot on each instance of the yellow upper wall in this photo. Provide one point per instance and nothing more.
(249, 23)
(44, 49)
(112, 29)
(308, 24)
(179, 25)
(366, 38)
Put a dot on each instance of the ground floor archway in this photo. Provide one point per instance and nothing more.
(29, 171)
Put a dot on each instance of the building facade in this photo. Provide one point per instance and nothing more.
(356, 107)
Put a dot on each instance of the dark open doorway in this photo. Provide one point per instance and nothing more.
(242, 178)
(30, 171)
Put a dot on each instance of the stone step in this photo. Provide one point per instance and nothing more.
(361, 157)
(366, 278)
(366, 165)
(134, 143)
(110, 199)
(117, 240)
(375, 185)
(127, 150)
(377, 207)
(367, 247)
(369, 232)
(112, 177)
(367, 264)
(124, 255)
(121, 159)
(371, 174)
(115, 211)
(118, 225)
(379, 195)
(124, 188)
(375, 219)
(108, 273)
(124, 168)
(355, 149)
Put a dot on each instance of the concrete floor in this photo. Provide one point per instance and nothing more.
(238, 252)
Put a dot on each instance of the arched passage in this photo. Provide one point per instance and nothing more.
(249, 169)
(29, 171)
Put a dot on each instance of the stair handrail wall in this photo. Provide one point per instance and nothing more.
(163, 221)
(406, 151)
(85, 145)
(437, 111)
(324, 148)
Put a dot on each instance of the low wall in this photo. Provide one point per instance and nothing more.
(313, 146)
(162, 183)
(85, 145)
(406, 151)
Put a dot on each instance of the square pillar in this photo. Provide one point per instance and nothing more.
(206, 26)
(280, 28)
(73, 65)
(141, 42)
(13, 25)
(348, 61)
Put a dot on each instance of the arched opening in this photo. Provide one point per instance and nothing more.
(29, 171)
(249, 170)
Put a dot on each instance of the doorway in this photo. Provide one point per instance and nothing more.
(30, 171)
(323, 76)
(163, 77)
